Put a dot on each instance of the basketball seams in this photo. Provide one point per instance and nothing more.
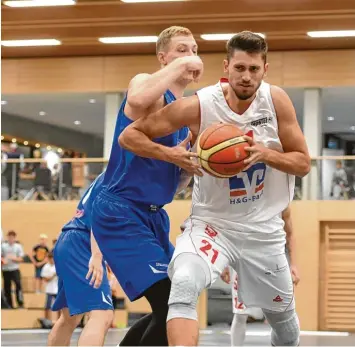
(205, 154)
(222, 149)
(216, 173)
(219, 127)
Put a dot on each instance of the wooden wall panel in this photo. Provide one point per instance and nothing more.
(30, 219)
(275, 73)
(118, 71)
(342, 211)
(319, 68)
(306, 229)
(112, 74)
(9, 75)
(61, 75)
(337, 306)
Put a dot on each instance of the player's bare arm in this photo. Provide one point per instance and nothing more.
(184, 181)
(138, 136)
(290, 244)
(95, 264)
(295, 160)
(145, 90)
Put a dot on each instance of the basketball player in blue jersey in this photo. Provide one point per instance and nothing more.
(129, 223)
(80, 291)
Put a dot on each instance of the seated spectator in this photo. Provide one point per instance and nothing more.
(11, 255)
(39, 258)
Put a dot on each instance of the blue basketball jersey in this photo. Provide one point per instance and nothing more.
(143, 180)
(82, 218)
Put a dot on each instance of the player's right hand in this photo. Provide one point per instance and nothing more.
(193, 67)
(95, 271)
(184, 158)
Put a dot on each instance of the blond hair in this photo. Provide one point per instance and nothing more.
(166, 35)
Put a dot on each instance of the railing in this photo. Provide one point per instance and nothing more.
(331, 177)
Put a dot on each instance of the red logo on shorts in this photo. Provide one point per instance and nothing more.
(278, 299)
(78, 214)
(210, 232)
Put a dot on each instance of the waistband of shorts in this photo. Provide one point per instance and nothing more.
(135, 204)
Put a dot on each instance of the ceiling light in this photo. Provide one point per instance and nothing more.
(37, 145)
(3, 102)
(352, 127)
(92, 101)
(2, 137)
(136, 1)
(30, 43)
(59, 150)
(25, 143)
(13, 140)
(129, 39)
(330, 118)
(37, 3)
(49, 148)
(335, 33)
(222, 37)
(77, 122)
(42, 113)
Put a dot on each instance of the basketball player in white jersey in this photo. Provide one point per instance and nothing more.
(234, 221)
(242, 313)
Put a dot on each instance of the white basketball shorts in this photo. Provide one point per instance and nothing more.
(258, 258)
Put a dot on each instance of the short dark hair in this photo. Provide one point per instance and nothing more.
(11, 233)
(248, 42)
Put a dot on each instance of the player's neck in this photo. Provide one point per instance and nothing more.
(178, 89)
(237, 105)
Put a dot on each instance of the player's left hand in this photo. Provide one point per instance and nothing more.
(295, 274)
(95, 271)
(225, 276)
(257, 152)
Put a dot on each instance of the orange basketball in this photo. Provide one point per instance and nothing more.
(221, 150)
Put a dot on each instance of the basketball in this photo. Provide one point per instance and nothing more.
(221, 150)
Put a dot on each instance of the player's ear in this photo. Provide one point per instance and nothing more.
(266, 68)
(225, 65)
(161, 58)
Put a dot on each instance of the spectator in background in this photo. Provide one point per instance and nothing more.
(56, 172)
(49, 275)
(339, 188)
(43, 182)
(67, 180)
(11, 255)
(39, 259)
(12, 170)
(54, 241)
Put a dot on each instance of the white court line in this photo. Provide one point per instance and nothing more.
(324, 333)
(206, 332)
(259, 333)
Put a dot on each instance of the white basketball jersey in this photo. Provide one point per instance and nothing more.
(253, 200)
